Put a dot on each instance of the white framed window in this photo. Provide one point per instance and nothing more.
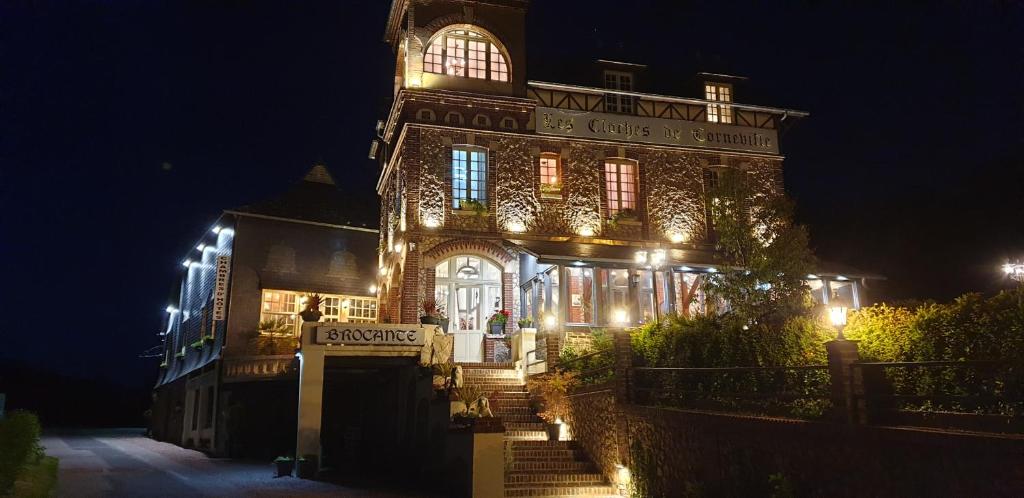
(279, 314)
(362, 309)
(718, 92)
(469, 289)
(620, 177)
(466, 53)
(469, 175)
(613, 102)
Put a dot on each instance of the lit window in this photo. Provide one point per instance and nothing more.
(465, 53)
(620, 185)
(331, 309)
(433, 61)
(469, 175)
(279, 314)
(613, 102)
(362, 310)
(550, 176)
(580, 282)
(715, 92)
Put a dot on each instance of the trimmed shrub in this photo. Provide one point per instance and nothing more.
(19, 445)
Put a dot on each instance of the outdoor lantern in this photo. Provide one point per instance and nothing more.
(837, 310)
(640, 257)
(550, 321)
(620, 316)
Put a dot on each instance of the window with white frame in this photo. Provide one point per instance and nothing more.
(466, 53)
(362, 310)
(613, 102)
(718, 92)
(620, 185)
(469, 175)
(280, 311)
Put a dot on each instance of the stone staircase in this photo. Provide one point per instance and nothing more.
(536, 466)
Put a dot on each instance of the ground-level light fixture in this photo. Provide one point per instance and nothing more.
(620, 316)
(586, 231)
(516, 226)
(677, 237)
(431, 222)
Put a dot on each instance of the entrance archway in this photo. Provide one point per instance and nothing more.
(469, 288)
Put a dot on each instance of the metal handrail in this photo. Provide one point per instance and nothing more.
(731, 369)
(929, 363)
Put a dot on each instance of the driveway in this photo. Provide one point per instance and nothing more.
(121, 462)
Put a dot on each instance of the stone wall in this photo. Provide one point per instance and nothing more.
(676, 453)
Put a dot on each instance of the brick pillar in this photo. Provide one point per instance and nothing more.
(553, 348)
(623, 356)
(507, 280)
(841, 355)
(410, 312)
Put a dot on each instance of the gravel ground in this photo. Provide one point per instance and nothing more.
(121, 462)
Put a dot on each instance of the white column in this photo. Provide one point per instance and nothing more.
(311, 394)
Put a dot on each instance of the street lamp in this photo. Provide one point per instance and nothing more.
(1015, 271)
(837, 310)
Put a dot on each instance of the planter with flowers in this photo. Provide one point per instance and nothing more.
(497, 322)
(312, 312)
(433, 314)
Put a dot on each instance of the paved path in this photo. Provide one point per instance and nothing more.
(121, 462)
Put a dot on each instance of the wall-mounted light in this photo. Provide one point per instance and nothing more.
(373, 289)
(640, 257)
(346, 303)
(550, 321)
(677, 237)
(200, 247)
(657, 257)
(171, 309)
(383, 270)
(187, 263)
(516, 226)
(216, 229)
(398, 246)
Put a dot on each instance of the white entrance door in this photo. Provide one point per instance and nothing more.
(468, 326)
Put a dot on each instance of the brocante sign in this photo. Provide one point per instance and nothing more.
(585, 124)
(370, 334)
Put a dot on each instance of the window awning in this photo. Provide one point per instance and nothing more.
(555, 252)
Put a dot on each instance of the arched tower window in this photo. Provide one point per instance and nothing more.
(466, 53)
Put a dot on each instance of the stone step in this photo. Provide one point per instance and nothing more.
(531, 455)
(579, 478)
(518, 417)
(544, 444)
(553, 467)
(523, 426)
(525, 435)
(486, 365)
(553, 491)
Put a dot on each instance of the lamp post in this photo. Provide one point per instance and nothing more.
(1015, 271)
(837, 310)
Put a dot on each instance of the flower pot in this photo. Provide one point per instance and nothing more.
(443, 322)
(497, 328)
(311, 315)
(307, 467)
(430, 320)
(284, 467)
(553, 430)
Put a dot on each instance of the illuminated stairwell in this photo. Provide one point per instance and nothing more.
(535, 466)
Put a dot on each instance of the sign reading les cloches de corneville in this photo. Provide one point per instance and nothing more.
(604, 126)
(370, 334)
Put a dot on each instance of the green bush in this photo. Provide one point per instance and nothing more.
(19, 445)
(600, 340)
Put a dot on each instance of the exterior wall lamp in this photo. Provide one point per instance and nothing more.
(837, 311)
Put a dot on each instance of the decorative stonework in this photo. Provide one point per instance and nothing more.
(582, 209)
(433, 163)
(675, 204)
(517, 206)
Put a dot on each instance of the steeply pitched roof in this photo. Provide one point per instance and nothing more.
(317, 198)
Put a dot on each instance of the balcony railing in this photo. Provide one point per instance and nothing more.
(591, 99)
(246, 368)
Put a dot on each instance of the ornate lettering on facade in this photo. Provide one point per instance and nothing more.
(220, 288)
(370, 335)
(562, 122)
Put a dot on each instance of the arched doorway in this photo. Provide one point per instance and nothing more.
(469, 288)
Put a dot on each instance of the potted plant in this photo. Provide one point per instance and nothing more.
(525, 323)
(285, 465)
(624, 216)
(497, 321)
(307, 467)
(312, 312)
(433, 314)
(551, 188)
(551, 392)
(473, 205)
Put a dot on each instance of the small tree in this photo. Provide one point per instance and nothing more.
(768, 254)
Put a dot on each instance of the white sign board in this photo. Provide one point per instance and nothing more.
(604, 126)
(220, 288)
(370, 334)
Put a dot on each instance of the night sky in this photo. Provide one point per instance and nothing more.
(125, 127)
